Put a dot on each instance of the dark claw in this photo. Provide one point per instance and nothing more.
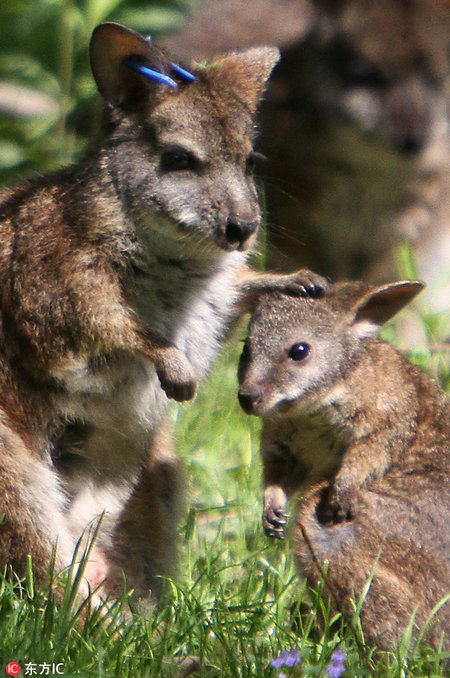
(307, 284)
(274, 521)
(315, 291)
(274, 534)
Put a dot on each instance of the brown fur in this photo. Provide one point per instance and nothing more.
(362, 437)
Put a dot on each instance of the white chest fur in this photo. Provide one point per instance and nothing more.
(121, 400)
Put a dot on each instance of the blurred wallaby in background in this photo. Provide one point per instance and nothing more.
(362, 438)
(355, 126)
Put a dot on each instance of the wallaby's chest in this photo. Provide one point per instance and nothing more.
(190, 303)
(317, 445)
(119, 399)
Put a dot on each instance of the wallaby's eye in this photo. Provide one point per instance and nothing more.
(178, 160)
(299, 351)
(253, 159)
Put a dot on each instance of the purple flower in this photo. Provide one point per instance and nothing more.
(286, 658)
(338, 656)
(278, 661)
(292, 658)
(336, 668)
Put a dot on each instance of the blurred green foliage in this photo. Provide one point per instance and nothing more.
(47, 94)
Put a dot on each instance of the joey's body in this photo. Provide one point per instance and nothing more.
(119, 277)
(362, 437)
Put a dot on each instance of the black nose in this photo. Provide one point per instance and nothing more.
(238, 232)
(248, 401)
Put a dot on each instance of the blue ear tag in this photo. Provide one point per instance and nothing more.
(181, 72)
(160, 77)
(150, 73)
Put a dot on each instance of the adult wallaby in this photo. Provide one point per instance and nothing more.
(363, 437)
(118, 278)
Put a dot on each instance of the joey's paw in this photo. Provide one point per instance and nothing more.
(305, 283)
(176, 375)
(274, 520)
(335, 507)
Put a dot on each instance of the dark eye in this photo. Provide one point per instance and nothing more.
(177, 160)
(299, 351)
(253, 159)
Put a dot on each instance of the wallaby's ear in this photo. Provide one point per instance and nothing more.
(111, 46)
(382, 303)
(245, 73)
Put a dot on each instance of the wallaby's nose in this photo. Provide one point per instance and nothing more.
(248, 400)
(238, 232)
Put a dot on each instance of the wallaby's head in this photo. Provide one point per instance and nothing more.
(301, 347)
(178, 145)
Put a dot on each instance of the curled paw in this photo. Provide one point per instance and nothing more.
(305, 283)
(334, 507)
(274, 520)
(176, 375)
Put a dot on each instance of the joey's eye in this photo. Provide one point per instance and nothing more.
(253, 159)
(299, 351)
(177, 160)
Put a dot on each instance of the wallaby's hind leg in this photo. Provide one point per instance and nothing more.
(31, 509)
(144, 542)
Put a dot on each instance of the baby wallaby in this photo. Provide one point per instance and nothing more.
(118, 278)
(362, 436)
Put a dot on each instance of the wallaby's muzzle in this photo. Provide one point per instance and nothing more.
(238, 233)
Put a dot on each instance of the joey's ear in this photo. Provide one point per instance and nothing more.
(245, 73)
(381, 304)
(111, 46)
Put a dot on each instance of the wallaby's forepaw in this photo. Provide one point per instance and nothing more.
(176, 375)
(302, 283)
(335, 507)
(274, 520)
(305, 283)
(274, 517)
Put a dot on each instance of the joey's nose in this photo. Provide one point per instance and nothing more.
(238, 232)
(248, 400)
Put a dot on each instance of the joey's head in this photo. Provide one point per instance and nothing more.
(178, 148)
(299, 349)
